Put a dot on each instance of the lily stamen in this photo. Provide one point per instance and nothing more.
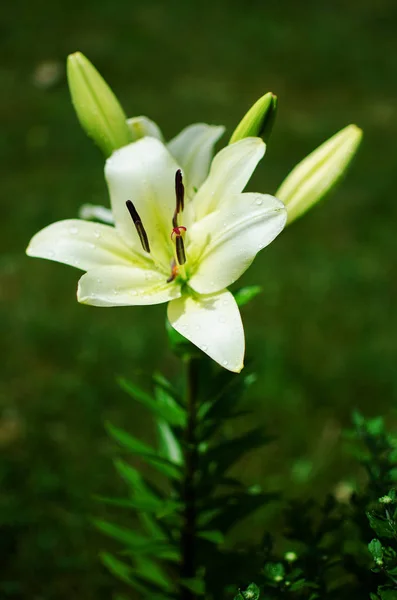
(139, 226)
(180, 250)
(179, 230)
(179, 191)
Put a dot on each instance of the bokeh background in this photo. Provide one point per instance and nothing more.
(322, 335)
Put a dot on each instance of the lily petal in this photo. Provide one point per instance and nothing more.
(125, 286)
(93, 212)
(230, 172)
(81, 244)
(230, 238)
(144, 172)
(213, 324)
(193, 148)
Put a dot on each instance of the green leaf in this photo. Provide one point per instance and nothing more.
(230, 509)
(127, 574)
(195, 585)
(140, 489)
(144, 451)
(137, 542)
(161, 509)
(252, 592)
(298, 585)
(382, 527)
(215, 537)
(244, 295)
(125, 536)
(172, 412)
(117, 567)
(376, 549)
(127, 440)
(163, 383)
(221, 457)
(151, 571)
(375, 426)
(387, 593)
(358, 419)
(226, 393)
(170, 447)
(169, 444)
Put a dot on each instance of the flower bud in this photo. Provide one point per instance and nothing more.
(317, 174)
(258, 121)
(97, 108)
(141, 127)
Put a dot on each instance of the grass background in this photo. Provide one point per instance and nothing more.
(323, 333)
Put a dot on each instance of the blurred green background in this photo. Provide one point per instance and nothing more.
(322, 335)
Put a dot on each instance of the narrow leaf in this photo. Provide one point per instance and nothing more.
(145, 452)
(160, 509)
(244, 295)
(195, 585)
(117, 567)
(215, 537)
(172, 412)
(220, 458)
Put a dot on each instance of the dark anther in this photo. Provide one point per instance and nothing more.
(180, 250)
(179, 191)
(139, 227)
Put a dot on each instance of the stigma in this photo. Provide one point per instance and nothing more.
(178, 231)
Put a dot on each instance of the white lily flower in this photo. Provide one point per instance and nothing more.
(170, 244)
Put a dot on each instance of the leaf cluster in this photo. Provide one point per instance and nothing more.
(186, 502)
(334, 554)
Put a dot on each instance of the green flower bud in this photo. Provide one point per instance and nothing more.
(97, 108)
(141, 127)
(317, 174)
(258, 121)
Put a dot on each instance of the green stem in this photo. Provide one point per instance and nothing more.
(188, 538)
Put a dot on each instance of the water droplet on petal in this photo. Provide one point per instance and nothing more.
(73, 230)
(259, 201)
(225, 363)
(99, 280)
(97, 233)
(204, 348)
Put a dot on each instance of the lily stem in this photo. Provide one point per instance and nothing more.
(188, 538)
